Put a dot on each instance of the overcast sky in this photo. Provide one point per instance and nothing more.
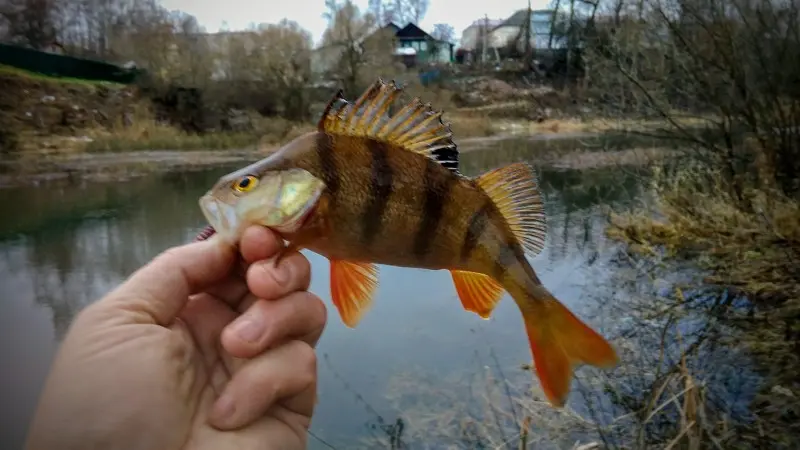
(308, 13)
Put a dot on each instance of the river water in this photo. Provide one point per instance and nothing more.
(63, 247)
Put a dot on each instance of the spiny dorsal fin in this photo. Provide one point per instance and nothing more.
(416, 127)
(515, 191)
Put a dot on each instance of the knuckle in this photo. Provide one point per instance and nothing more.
(302, 265)
(319, 311)
(306, 358)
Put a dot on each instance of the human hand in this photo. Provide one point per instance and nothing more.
(187, 353)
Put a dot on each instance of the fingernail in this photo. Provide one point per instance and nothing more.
(283, 272)
(248, 329)
(224, 408)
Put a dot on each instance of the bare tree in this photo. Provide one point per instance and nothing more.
(417, 10)
(443, 32)
(282, 58)
(355, 38)
(400, 12)
(30, 22)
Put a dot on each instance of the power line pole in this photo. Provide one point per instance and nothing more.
(485, 37)
(528, 50)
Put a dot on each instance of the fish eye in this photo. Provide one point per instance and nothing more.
(245, 183)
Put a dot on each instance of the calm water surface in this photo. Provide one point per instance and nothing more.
(61, 248)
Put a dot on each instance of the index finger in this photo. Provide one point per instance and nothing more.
(160, 289)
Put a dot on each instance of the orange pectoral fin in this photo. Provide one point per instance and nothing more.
(352, 287)
(479, 293)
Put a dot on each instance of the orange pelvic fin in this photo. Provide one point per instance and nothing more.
(559, 340)
(352, 287)
(515, 192)
(478, 293)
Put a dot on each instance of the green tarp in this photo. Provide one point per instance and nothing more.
(64, 66)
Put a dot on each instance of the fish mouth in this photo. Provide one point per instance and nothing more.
(221, 216)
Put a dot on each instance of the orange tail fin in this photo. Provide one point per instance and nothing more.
(559, 341)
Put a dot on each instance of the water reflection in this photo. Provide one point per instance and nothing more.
(63, 247)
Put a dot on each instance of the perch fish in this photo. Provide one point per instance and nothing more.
(371, 188)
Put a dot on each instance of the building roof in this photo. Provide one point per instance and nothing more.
(412, 31)
(491, 23)
(518, 18)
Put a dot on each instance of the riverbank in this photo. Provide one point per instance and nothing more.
(743, 242)
(559, 150)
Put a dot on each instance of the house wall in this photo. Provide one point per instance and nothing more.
(443, 53)
(500, 36)
(472, 34)
(469, 37)
(540, 32)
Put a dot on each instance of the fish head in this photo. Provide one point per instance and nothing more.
(276, 196)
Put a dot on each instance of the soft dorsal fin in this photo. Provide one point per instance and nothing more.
(515, 191)
(416, 127)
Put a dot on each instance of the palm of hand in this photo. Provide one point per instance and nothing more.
(196, 381)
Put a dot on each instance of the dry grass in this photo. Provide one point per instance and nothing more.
(752, 243)
(144, 133)
(676, 387)
(505, 409)
(747, 242)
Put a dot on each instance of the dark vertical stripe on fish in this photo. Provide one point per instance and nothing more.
(327, 163)
(477, 223)
(437, 183)
(380, 190)
(506, 258)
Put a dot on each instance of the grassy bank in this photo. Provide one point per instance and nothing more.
(45, 116)
(745, 240)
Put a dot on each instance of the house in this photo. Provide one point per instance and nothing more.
(427, 49)
(514, 28)
(472, 35)
(500, 33)
(413, 46)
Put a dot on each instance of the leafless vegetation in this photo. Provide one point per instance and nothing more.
(729, 207)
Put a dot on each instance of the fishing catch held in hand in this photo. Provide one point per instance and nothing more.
(368, 188)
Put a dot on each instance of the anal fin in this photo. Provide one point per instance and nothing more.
(478, 293)
(352, 287)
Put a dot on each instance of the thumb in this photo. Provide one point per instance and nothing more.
(159, 290)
